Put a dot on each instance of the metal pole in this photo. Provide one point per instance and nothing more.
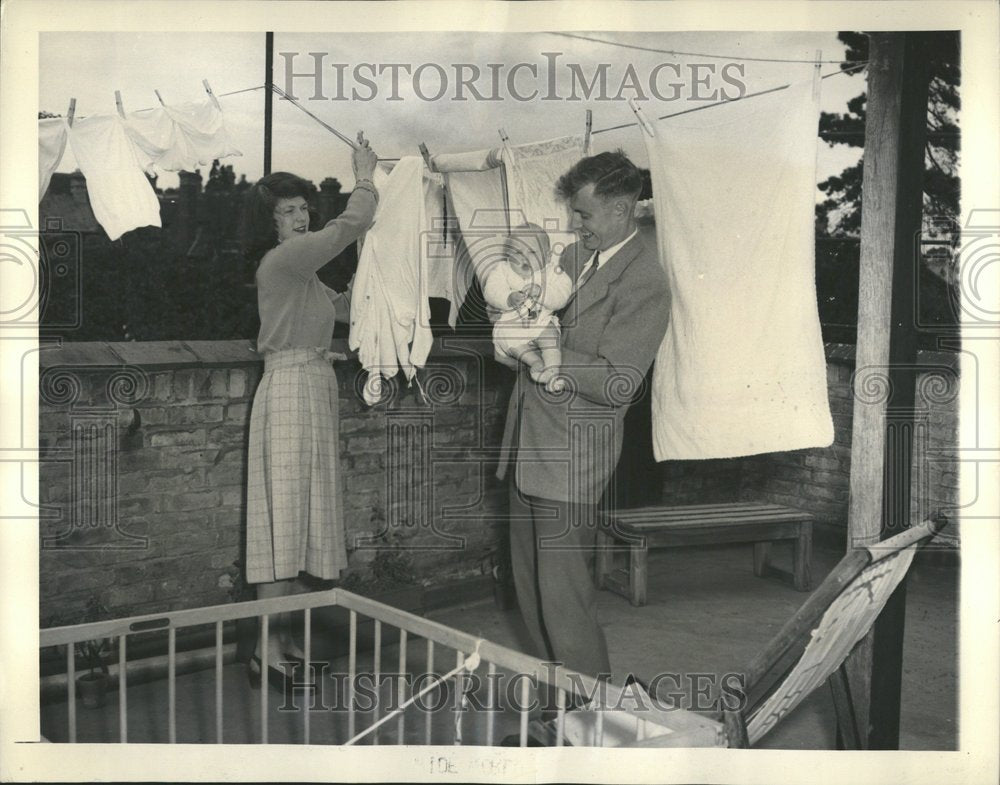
(268, 98)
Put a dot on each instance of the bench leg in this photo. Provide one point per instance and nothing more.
(803, 558)
(605, 559)
(761, 557)
(637, 574)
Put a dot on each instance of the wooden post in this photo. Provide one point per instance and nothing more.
(881, 451)
(268, 97)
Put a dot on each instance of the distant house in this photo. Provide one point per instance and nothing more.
(66, 205)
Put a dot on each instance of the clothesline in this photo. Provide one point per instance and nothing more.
(217, 95)
(327, 126)
(701, 54)
(857, 64)
(729, 101)
(860, 64)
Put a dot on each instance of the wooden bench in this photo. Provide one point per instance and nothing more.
(643, 528)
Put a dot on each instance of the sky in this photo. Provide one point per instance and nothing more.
(91, 66)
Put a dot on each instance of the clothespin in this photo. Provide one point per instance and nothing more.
(159, 97)
(643, 121)
(586, 135)
(71, 112)
(118, 103)
(208, 89)
(816, 75)
(505, 143)
(427, 156)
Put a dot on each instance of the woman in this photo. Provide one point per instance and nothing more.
(294, 512)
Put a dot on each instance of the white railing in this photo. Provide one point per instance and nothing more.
(668, 726)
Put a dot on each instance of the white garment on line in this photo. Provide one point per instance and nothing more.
(742, 369)
(52, 132)
(532, 172)
(474, 161)
(438, 242)
(476, 198)
(157, 140)
(390, 316)
(180, 136)
(485, 209)
(120, 195)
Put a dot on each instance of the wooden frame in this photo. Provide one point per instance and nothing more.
(778, 661)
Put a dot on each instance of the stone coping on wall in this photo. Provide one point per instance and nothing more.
(168, 355)
(182, 354)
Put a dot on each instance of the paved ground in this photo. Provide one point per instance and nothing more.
(707, 614)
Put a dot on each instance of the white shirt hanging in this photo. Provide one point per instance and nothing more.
(120, 195)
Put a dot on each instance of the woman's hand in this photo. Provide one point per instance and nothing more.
(364, 159)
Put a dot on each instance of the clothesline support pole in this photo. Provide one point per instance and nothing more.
(268, 98)
(71, 112)
(882, 436)
(159, 97)
(118, 104)
(586, 134)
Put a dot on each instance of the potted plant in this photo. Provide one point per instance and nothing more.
(93, 685)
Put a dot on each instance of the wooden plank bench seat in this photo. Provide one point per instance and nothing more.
(637, 530)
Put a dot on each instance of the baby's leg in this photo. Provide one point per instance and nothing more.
(551, 354)
(530, 356)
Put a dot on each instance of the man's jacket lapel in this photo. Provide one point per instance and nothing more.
(596, 287)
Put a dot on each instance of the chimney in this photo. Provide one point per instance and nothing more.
(188, 196)
(331, 200)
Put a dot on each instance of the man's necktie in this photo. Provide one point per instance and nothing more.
(588, 273)
(585, 276)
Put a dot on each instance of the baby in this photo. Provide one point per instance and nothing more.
(528, 286)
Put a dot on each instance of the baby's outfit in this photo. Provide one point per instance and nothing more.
(519, 326)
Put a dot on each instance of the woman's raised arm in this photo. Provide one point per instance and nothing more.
(305, 254)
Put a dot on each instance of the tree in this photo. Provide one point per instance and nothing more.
(838, 217)
(840, 214)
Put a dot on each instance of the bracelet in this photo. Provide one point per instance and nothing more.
(367, 185)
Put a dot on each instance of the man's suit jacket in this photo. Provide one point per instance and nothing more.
(566, 444)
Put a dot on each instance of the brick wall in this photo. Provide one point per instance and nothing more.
(143, 449)
(818, 480)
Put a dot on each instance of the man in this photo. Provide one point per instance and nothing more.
(565, 443)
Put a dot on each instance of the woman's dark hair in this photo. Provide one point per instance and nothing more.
(612, 174)
(258, 233)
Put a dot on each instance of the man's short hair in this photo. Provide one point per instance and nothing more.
(612, 175)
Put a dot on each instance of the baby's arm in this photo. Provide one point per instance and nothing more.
(496, 289)
(557, 287)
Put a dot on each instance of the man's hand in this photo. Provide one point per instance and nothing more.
(555, 384)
